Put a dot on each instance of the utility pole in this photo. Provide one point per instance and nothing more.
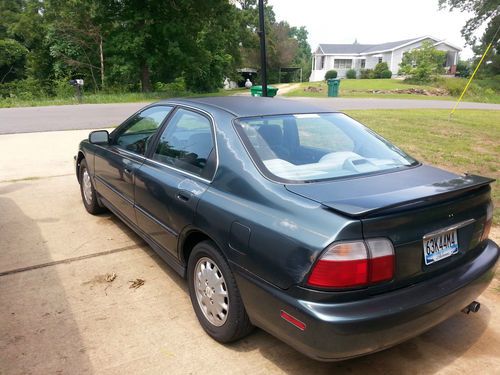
(263, 58)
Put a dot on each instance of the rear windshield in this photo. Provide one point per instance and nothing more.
(310, 147)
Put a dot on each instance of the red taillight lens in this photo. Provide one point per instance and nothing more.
(341, 265)
(351, 264)
(339, 274)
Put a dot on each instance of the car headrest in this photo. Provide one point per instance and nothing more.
(272, 134)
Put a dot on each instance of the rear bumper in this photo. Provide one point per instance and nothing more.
(336, 331)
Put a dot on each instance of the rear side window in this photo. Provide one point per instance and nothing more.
(187, 144)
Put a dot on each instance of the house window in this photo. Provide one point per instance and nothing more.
(379, 60)
(342, 63)
(363, 63)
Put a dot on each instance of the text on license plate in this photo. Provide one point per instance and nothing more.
(440, 246)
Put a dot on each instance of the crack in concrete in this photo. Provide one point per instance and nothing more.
(67, 261)
(34, 178)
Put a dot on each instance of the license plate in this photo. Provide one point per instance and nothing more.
(439, 246)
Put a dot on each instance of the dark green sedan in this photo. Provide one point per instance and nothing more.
(294, 219)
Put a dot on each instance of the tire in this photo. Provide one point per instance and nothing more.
(208, 268)
(87, 190)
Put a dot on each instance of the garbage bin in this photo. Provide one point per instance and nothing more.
(257, 91)
(333, 87)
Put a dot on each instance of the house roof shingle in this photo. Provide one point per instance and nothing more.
(356, 48)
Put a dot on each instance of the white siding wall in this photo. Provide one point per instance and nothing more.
(393, 59)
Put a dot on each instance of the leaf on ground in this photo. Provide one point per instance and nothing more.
(137, 283)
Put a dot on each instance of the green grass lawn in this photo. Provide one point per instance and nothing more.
(107, 98)
(359, 88)
(468, 142)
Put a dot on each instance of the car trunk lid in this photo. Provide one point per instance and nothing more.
(364, 196)
(406, 206)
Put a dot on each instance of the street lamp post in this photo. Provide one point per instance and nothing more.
(263, 59)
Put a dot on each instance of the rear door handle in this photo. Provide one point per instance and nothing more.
(127, 171)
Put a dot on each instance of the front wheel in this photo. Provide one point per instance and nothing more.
(215, 296)
(89, 195)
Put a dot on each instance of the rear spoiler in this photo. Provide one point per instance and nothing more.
(369, 205)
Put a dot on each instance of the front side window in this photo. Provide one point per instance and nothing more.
(187, 144)
(342, 63)
(137, 133)
(310, 147)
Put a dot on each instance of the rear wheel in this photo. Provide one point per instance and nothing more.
(89, 195)
(215, 296)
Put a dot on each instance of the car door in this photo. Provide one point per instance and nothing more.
(175, 174)
(116, 163)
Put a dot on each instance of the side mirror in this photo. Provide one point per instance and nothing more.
(99, 137)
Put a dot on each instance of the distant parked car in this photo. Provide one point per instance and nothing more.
(297, 220)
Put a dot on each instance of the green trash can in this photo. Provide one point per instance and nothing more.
(333, 87)
(257, 91)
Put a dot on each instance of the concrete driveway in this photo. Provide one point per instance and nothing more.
(59, 315)
(95, 116)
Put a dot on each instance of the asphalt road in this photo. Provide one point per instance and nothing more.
(95, 116)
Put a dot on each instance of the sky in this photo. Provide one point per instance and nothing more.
(372, 21)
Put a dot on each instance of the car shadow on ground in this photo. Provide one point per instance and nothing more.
(428, 353)
(38, 332)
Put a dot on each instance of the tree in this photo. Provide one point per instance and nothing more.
(76, 38)
(12, 60)
(423, 64)
(303, 55)
(485, 12)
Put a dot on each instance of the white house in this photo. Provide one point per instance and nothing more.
(342, 57)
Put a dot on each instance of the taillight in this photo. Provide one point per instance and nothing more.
(381, 260)
(350, 264)
(487, 224)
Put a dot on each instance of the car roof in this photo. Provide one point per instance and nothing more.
(247, 106)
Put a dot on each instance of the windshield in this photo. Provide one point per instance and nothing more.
(307, 147)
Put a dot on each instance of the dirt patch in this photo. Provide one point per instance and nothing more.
(414, 91)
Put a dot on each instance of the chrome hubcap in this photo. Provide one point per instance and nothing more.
(87, 187)
(211, 291)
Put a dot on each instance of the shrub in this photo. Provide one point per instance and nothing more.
(25, 89)
(331, 74)
(62, 89)
(463, 69)
(455, 86)
(423, 64)
(366, 74)
(379, 68)
(177, 87)
(351, 74)
(386, 74)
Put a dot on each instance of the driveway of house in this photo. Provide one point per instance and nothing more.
(95, 116)
(61, 311)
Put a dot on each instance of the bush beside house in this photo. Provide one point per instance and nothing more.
(351, 74)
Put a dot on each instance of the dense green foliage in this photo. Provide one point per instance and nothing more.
(366, 74)
(132, 45)
(463, 69)
(423, 64)
(330, 74)
(485, 13)
(350, 74)
(382, 71)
